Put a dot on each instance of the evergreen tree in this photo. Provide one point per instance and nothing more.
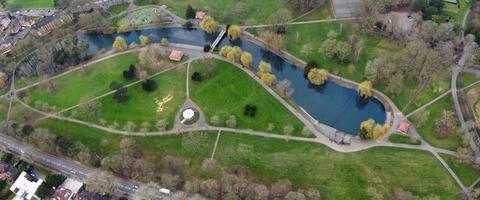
(190, 12)
(149, 85)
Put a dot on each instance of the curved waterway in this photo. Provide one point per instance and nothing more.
(331, 104)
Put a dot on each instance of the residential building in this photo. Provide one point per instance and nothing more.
(68, 190)
(25, 187)
(4, 22)
(7, 172)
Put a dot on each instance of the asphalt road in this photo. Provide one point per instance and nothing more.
(67, 167)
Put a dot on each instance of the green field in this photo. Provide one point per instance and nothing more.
(119, 8)
(141, 107)
(251, 10)
(403, 139)
(465, 80)
(93, 81)
(427, 131)
(324, 12)
(32, 3)
(228, 90)
(455, 12)
(465, 172)
(377, 171)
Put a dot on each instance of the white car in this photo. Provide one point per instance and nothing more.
(164, 191)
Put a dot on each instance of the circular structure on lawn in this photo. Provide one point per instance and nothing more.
(189, 116)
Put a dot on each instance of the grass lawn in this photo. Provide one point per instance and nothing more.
(253, 10)
(466, 79)
(229, 89)
(141, 105)
(427, 131)
(403, 139)
(33, 3)
(119, 8)
(315, 34)
(93, 81)
(307, 165)
(139, 17)
(174, 145)
(324, 12)
(455, 12)
(465, 172)
(338, 175)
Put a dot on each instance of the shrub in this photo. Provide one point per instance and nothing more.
(115, 85)
(149, 85)
(188, 24)
(129, 74)
(190, 12)
(121, 95)
(232, 121)
(196, 76)
(207, 48)
(250, 110)
(215, 120)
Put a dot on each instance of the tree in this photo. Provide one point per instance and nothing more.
(264, 67)
(232, 121)
(295, 196)
(365, 89)
(164, 42)
(275, 40)
(215, 120)
(54, 180)
(317, 76)
(143, 40)
(379, 131)
(190, 12)
(89, 107)
(161, 125)
(284, 88)
(250, 110)
(421, 117)
(280, 189)
(265, 73)
(304, 5)
(133, 45)
(246, 59)
(196, 76)
(210, 188)
(207, 48)
(170, 181)
(209, 25)
(268, 79)
(119, 44)
(288, 129)
(366, 129)
(3, 79)
(44, 191)
(279, 18)
(372, 69)
(121, 95)
(313, 194)
(306, 50)
(310, 65)
(129, 74)
(306, 132)
(148, 191)
(234, 32)
(257, 192)
(446, 124)
(100, 182)
(225, 50)
(149, 85)
(234, 54)
(153, 57)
